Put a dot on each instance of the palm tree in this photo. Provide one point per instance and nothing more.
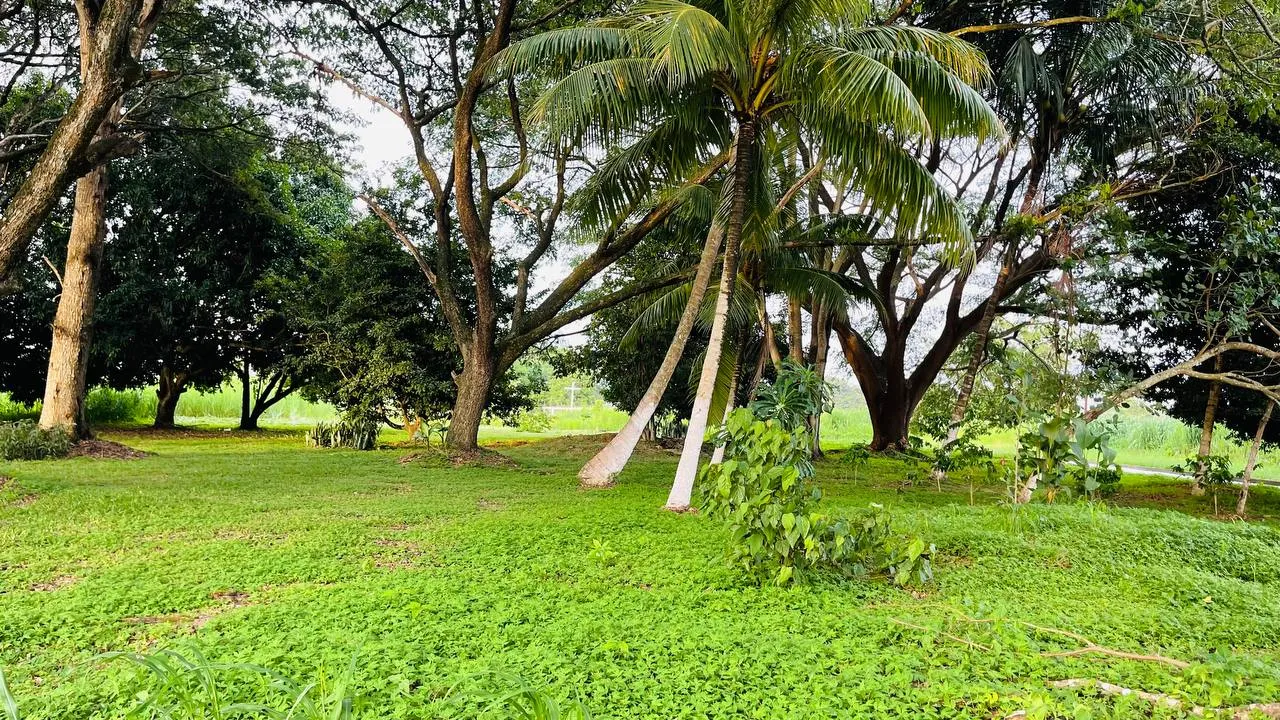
(862, 93)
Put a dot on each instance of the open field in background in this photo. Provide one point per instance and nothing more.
(1142, 439)
(259, 550)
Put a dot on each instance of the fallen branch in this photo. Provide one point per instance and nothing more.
(957, 638)
(1241, 712)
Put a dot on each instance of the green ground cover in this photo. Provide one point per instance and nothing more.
(255, 549)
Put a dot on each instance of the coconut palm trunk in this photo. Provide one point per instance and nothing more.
(601, 469)
(1252, 462)
(682, 486)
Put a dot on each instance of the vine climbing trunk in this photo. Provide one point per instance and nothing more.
(1252, 462)
(605, 465)
(690, 455)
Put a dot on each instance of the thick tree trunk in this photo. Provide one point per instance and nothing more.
(890, 423)
(601, 469)
(1252, 461)
(690, 455)
(169, 391)
(1206, 428)
(67, 380)
(474, 385)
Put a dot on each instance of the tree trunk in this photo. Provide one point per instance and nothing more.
(1206, 428)
(67, 380)
(247, 421)
(890, 423)
(1252, 461)
(795, 336)
(821, 343)
(169, 390)
(601, 469)
(474, 384)
(686, 472)
(107, 42)
(983, 333)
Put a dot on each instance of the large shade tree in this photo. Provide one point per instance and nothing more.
(481, 170)
(1087, 92)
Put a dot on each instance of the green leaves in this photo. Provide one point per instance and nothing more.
(762, 492)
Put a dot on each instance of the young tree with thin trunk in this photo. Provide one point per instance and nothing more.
(1252, 461)
(1206, 428)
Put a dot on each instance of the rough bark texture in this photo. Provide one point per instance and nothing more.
(1206, 428)
(601, 469)
(169, 391)
(108, 68)
(474, 383)
(66, 382)
(1252, 462)
(100, 32)
(687, 470)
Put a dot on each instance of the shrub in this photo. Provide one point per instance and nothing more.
(356, 434)
(25, 440)
(534, 421)
(104, 405)
(1057, 454)
(762, 491)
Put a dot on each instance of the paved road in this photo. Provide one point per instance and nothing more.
(1140, 470)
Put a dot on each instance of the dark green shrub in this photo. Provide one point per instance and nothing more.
(355, 434)
(25, 440)
(762, 491)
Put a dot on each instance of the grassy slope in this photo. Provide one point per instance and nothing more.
(261, 550)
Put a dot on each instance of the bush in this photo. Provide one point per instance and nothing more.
(355, 434)
(762, 491)
(534, 421)
(25, 440)
(104, 405)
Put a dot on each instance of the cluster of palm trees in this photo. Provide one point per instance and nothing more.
(792, 92)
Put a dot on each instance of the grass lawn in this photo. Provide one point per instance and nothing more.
(255, 549)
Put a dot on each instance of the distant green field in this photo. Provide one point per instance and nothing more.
(1144, 440)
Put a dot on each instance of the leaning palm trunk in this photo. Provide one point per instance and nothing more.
(1252, 462)
(687, 470)
(601, 470)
